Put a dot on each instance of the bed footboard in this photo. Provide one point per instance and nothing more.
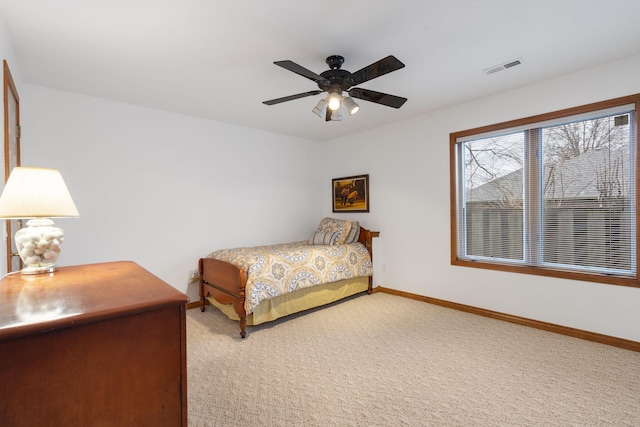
(226, 283)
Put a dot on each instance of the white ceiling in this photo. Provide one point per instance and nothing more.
(214, 59)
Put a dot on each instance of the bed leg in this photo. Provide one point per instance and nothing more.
(243, 327)
(202, 303)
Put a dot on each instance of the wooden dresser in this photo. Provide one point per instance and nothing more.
(92, 345)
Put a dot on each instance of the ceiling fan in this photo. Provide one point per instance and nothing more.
(336, 81)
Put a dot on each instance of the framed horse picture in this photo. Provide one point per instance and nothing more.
(350, 194)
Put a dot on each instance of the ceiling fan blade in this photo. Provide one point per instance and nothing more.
(378, 97)
(299, 69)
(291, 97)
(377, 69)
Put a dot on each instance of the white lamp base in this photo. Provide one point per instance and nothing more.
(38, 270)
(39, 246)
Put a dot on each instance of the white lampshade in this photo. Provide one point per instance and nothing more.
(351, 105)
(36, 193)
(40, 194)
(321, 108)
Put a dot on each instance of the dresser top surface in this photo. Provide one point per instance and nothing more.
(79, 294)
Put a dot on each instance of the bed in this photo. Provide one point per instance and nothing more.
(263, 283)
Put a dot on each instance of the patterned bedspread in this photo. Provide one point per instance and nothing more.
(278, 269)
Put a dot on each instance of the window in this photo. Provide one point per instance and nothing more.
(553, 195)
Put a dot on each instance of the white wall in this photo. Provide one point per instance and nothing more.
(408, 164)
(163, 189)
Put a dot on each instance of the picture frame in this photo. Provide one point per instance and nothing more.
(350, 194)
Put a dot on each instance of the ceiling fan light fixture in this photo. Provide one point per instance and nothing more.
(351, 105)
(334, 101)
(336, 81)
(321, 108)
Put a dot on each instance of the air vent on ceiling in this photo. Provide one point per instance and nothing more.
(504, 66)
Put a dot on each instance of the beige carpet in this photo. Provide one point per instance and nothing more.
(384, 360)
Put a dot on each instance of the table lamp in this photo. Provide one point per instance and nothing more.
(39, 194)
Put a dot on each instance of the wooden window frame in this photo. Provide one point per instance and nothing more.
(529, 269)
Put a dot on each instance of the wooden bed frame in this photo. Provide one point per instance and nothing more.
(226, 282)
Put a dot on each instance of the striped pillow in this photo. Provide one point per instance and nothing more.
(323, 238)
(354, 233)
(340, 226)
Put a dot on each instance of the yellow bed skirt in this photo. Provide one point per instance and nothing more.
(300, 300)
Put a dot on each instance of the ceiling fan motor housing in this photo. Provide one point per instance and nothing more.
(339, 80)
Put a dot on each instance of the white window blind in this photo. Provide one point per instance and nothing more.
(493, 197)
(588, 200)
(558, 194)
